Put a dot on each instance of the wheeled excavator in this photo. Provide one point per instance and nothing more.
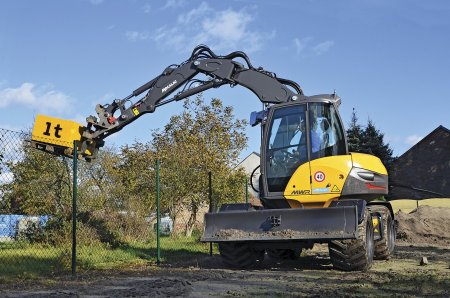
(311, 188)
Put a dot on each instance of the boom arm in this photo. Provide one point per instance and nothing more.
(219, 69)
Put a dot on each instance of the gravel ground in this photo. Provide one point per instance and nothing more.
(311, 275)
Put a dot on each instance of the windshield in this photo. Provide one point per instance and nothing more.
(327, 134)
(287, 147)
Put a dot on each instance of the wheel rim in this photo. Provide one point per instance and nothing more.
(391, 235)
(369, 242)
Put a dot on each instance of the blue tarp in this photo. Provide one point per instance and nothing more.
(9, 222)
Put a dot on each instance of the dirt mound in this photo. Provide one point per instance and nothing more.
(425, 225)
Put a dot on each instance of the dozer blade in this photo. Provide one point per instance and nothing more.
(57, 136)
(282, 224)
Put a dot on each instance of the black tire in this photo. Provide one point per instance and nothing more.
(355, 254)
(385, 247)
(239, 255)
(284, 254)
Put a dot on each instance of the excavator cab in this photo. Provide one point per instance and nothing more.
(294, 134)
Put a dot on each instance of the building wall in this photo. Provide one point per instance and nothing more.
(426, 166)
(249, 164)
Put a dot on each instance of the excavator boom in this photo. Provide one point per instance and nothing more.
(179, 81)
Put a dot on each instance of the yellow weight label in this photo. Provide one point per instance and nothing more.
(135, 111)
(56, 131)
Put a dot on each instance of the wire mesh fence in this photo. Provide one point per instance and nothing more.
(117, 210)
(24, 245)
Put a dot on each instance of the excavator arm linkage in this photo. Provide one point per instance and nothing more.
(219, 70)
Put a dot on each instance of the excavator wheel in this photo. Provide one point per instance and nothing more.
(354, 254)
(284, 254)
(384, 247)
(239, 255)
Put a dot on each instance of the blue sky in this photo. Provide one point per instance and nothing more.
(390, 60)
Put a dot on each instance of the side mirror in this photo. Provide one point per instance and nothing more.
(256, 117)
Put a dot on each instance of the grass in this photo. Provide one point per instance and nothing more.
(24, 260)
(19, 259)
(409, 205)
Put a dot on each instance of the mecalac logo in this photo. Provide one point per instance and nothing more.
(300, 192)
(168, 86)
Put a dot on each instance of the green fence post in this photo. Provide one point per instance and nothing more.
(158, 216)
(210, 205)
(246, 191)
(74, 209)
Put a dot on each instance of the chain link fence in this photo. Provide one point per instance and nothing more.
(116, 218)
(25, 246)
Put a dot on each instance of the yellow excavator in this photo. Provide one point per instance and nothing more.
(311, 188)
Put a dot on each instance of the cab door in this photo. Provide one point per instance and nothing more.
(285, 148)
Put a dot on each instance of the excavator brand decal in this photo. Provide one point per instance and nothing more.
(168, 86)
(300, 192)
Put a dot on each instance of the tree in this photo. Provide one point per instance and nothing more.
(134, 175)
(368, 140)
(41, 184)
(116, 194)
(354, 134)
(203, 138)
(373, 143)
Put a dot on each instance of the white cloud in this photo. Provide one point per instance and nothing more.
(43, 99)
(147, 8)
(12, 127)
(304, 45)
(300, 44)
(135, 35)
(222, 30)
(194, 14)
(174, 4)
(412, 140)
(323, 47)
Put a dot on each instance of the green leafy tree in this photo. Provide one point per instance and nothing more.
(354, 134)
(373, 143)
(116, 193)
(205, 137)
(41, 184)
(134, 177)
(368, 140)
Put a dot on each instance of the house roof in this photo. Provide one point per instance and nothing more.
(426, 138)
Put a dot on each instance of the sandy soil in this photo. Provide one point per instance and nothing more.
(311, 275)
(425, 225)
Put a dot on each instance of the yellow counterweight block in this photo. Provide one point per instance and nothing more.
(368, 162)
(368, 178)
(319, 182)
(55, 135)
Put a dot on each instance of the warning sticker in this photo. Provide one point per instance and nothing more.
(319, 176)
(335, 189)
